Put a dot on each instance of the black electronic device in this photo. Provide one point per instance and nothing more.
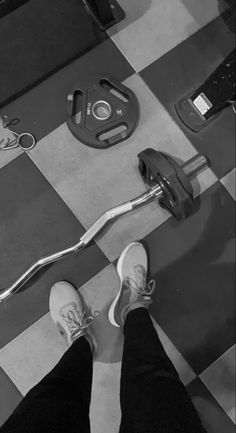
(218, 91)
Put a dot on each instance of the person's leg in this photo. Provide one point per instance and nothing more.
(153, 399)
(60, 402)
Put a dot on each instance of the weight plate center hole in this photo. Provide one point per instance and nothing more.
(101, 110)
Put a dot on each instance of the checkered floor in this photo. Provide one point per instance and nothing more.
(51, 194)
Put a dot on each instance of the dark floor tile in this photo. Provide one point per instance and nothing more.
(10, 397)
(213, 417)
(193, 263)
(52, 34)
(43, 108)
(182, 70)
(34, 222)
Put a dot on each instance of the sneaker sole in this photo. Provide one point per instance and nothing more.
(111, 313)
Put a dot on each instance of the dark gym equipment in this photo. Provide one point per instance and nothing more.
(105, 13)
(101, 112)
(170, 184)
(227, 9)
(201, 107)
(176, 186)
(39, 37)
(8, 6)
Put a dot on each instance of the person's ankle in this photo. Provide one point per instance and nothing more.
(89, 340)
(91, 343)
(137, 305)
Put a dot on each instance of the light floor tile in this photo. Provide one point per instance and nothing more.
(105, 405)
(219, 378)
(31, 355)
(229, 182)
(7, 155)
(91, 181)
(98, 293)
(154, 27)
(105, 414)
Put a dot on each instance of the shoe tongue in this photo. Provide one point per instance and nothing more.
(71, 312)
(140, 276)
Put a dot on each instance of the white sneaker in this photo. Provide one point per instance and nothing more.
(70, 313)
(134, 289)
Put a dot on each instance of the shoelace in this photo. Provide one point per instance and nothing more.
(77, 324)
(142, 287)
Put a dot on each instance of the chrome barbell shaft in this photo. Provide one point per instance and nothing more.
(193, 166)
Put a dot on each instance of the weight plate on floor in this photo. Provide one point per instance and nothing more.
(102, 112)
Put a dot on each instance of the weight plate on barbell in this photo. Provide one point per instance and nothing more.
(158, 167)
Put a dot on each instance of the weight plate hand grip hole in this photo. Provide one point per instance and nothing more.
(112, 89)
(77, 107)
(112, 133)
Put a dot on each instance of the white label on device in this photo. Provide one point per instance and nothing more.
(202, 103)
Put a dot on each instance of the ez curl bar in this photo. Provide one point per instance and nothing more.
(169, 183)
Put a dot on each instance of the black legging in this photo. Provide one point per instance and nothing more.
(153, 399)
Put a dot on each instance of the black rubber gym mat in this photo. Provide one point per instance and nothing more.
(40, 37)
